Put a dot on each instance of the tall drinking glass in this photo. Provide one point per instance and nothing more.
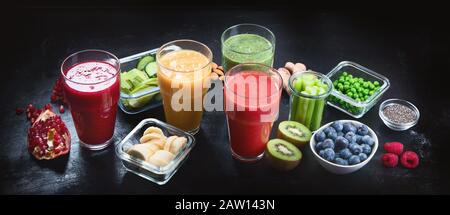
(183, 74)
(252, 99)
(247, 43)
(92, 89)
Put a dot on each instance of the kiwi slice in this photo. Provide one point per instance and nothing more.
(282, 155)
(294, 132)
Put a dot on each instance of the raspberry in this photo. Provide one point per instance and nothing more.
(394, 147)
(409, 159)
(389, 160)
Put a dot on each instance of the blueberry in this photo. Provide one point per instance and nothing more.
(319, 146)
(320, 136)
(345, 153)
(331, 134)
(367, 140)
(328, 129)
(337, 125)
(354, 159)
(341, 143)
(340, 134)
(340, 161)
(328, 143)
(351, 137)
(366, 149)
(328, 154)
(348, 127)
(358, 139)
(362, 156)
(362, 130)
(322, 153)
(355, 149)
(337, 155)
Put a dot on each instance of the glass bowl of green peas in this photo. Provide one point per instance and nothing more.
(356, 88)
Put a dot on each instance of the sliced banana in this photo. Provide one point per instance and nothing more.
(141, 151)
(177, 145)
(153, 146)
(151, 136)
(159, 142)
(169, 142)
(161, 158)
(153, 129)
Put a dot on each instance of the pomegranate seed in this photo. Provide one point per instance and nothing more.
(53, 98)
(48, 106)
(61, 109)
(56, 150)
(19, 111)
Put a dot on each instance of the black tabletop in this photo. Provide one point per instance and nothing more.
(404, 49)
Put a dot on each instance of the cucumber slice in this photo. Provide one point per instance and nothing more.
(125, 84)
(144, 61)
(150, 69)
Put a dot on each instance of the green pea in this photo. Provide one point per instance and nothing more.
(365, 85)
(376, 83)
(344, 73)
(371, 86)
(352, 81)
(366, 97)
(360, 89)
(353, 90)
(371, 92)
(358, 99)
(350, 76)
(366, 92)
(357, 85)
(360, 80)
(361, 95)
(346, 86)
(349, 94)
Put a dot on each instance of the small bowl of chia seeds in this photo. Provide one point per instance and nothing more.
(398, 114)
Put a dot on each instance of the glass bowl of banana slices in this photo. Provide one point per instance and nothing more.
(155, 150)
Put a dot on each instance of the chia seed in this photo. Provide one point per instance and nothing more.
(398, 113)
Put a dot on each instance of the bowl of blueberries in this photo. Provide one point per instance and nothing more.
(344, 146)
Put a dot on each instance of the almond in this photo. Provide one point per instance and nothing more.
(214, 76)
(213, 65)
(290, 66)
(218, 71)
(299, 67)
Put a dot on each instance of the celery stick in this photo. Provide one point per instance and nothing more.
(294, 106)
(302, 109)
(318, 113)
(309, 113)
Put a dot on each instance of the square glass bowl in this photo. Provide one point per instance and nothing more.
(153, 94)
(348, 105)
(159, 175)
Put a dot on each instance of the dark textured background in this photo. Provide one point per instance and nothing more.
(408, 49)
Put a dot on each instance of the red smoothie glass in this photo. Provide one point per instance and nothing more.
(92, 89)
(252, 94)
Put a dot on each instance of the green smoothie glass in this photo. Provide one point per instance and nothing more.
(308, 93)
(247, 43)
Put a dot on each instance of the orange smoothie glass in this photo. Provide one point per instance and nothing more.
(183, 75)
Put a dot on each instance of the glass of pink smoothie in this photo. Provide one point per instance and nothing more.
(252, 94)
(92, 89)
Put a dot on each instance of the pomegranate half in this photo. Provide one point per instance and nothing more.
(48, 137)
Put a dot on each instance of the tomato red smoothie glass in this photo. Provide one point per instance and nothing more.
(92, 89)
(252, 94)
